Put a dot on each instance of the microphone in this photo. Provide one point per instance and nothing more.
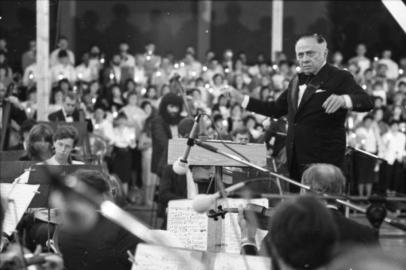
(203, 202)
(180, 165)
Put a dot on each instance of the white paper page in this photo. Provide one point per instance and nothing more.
(188, 226)
(227, 261)
(150, 257)
(18, 199)
(169, 237)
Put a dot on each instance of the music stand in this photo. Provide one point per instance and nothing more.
(10, 170)
(198, 156)
(39, 174)
(11, 155)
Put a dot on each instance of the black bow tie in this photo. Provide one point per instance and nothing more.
(305, 78)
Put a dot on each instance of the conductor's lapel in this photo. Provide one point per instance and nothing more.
(294, 93)
(314, 85)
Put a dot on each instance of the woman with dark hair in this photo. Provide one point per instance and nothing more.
(145, 146)
(152, 95)
(64, 85)
(56, 100)
(39, 143)
(130, 85)
(222, 106)
(115, 98)
(235, 119)
(239, 84)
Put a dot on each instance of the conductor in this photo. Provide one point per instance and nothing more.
(316, 103)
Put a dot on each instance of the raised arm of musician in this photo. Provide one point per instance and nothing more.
(248, 245)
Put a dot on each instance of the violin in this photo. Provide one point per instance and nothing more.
(6, 133)
(12, 259)
(255, 214)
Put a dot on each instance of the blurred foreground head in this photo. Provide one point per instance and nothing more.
(303, 234)
(78, 214)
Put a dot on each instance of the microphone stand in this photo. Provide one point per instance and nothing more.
(342, 201)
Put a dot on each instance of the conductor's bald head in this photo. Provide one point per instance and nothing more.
(311, 53)
(324, 178)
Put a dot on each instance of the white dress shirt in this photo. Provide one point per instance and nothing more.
(84, 73)
(54, 57)
(393, 68)
(367, 139)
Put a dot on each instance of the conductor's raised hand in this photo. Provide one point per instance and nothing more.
(333, 103)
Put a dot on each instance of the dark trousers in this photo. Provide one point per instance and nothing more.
(295, 172)
(393, 177)
(122, 164)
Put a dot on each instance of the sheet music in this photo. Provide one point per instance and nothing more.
(188, 226)
(22, 196)
(227, 261)
(149, 257)
(169, 237)
(231, 233)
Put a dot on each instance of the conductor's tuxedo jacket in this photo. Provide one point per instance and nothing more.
(314, 136)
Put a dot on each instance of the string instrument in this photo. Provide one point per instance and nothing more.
(178, 88)
(16, 257)
(255, 214)
(7, 131)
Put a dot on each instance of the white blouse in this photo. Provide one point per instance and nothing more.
(394, 146)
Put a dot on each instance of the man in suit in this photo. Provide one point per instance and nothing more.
(316, 103)
(68, 113)
(327, 178)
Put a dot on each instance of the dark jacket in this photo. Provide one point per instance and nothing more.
(160, 135)
(58, 116)
(103, 247)
(171, 186)
(349, 233)
(313, 135)
(352, 232)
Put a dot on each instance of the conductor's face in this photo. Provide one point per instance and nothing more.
(310, 55)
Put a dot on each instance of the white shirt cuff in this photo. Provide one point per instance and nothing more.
(245, 101)
(348, 101)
